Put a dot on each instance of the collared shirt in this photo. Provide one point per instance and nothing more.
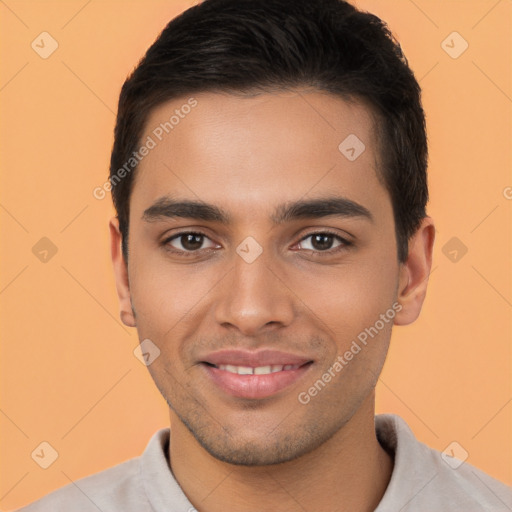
(423, 480)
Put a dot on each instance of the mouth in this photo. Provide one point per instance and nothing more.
(258, 370)
(254, 375)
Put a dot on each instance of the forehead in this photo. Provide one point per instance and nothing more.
(256, 152)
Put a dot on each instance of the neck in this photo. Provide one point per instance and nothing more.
(348, 472)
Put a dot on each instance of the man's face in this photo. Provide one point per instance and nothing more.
(216, 308)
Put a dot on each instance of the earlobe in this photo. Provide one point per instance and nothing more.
(121, 274)
(414, 273)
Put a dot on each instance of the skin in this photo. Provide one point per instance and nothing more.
(247, 155)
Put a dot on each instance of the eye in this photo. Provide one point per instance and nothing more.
(323, 241)
(189, 242)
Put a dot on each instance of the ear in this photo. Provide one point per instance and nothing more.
(121, 274)
(414, 273)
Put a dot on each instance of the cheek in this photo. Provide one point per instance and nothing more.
(164, 296)
(351, 296)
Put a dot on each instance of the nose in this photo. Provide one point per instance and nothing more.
(254, 297)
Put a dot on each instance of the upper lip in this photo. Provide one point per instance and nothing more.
(254, 359)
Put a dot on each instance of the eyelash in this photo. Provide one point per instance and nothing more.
(343, 246)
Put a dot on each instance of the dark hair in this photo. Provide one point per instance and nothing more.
(257, 46)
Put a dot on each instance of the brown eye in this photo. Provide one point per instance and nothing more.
(189, 242)
(322, 242)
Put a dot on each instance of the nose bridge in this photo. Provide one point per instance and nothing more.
(253, 297)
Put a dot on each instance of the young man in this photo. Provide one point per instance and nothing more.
(269, 176)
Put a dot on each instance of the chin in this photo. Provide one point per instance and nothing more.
(253, 454)
(241, 449)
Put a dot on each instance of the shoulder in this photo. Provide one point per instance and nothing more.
(425, 479)
(121, 487)
(107, 490)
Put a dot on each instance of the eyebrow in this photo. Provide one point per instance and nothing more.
(168, 208)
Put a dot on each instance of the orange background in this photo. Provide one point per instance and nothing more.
(68, 373)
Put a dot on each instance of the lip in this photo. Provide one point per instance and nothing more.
(260, 358)
(254, 386)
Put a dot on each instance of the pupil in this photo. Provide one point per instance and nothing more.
(192, 241)
(322, 241)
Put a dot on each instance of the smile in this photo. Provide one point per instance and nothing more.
(253, 375)
(258, 370)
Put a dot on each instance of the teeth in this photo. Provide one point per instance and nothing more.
(258, 370)
(262, 370)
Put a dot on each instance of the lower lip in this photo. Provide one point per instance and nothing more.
(254, 386)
